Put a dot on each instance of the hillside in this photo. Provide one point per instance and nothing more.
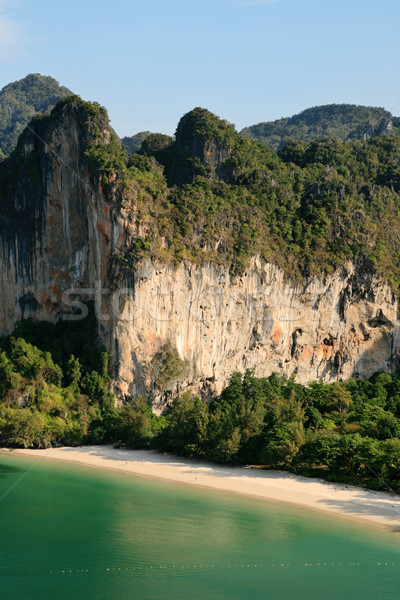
(22, 100)
(338, 121)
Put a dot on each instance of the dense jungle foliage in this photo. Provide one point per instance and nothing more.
(345, 431)
(53, 384)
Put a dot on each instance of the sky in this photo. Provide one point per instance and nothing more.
(151, 61)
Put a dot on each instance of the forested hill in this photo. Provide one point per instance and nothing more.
(22, 100)
(339, 121)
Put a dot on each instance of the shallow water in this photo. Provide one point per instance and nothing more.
(71, 532)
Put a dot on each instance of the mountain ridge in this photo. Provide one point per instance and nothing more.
(339, 121)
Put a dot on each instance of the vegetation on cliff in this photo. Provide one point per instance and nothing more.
(211, 194)
(22, 100)
(338, 121)
(222, 197)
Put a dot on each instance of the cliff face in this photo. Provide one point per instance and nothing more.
(55, 227)
(59, 241)
(327, 328)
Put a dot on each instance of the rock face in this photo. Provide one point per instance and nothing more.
(327, 328)
(55, 231)
(192, 141)
(386, 127)
(59, 245)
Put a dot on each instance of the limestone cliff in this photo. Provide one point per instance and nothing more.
(62, 231)
(327, 328)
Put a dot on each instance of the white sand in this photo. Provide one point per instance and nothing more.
(375, 507)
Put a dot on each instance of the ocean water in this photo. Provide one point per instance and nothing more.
(71, 532)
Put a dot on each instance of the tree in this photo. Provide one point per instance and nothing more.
(8, 378)
(340, 398)
(322, 448)
(135, 423)
(227, 449)
(391, 454)
(187, 426)
(286, 437)
(283, 443)
(23, 427)
(95, 387)
(73, 370)
(167, 367)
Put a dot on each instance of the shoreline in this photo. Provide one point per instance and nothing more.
(376, 508)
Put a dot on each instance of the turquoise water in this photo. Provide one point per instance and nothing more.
(70, 532)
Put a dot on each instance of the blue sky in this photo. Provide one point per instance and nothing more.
(150, 61)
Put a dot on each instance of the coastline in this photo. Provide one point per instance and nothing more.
(377, 508)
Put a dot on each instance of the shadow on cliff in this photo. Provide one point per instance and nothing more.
(381, 356)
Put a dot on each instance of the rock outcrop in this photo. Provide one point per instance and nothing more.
(59, 243)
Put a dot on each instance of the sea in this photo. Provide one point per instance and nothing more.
(73, 532)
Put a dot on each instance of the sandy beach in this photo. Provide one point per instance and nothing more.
(375, 507)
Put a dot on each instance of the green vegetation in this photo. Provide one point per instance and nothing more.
(108, 158)
(145, 140)
(309, 208)
(339, 121)
(53, 385)
(22, 100)
(155, 143)
(345, 432)
(168, 367)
